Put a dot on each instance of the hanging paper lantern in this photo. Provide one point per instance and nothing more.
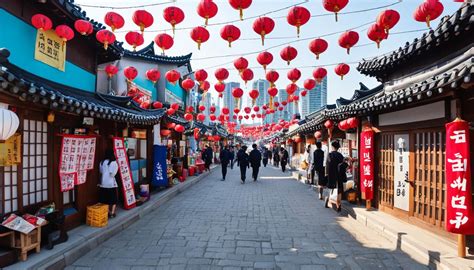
(342, 125)
(157, 105)
(207, 9)
(172, 76)
(173, 15)
(145, 104)
(164, 41)
(298, 16)
(111, 70)
(221, 74)
(272, 76)
(205, 85)
(319, 74)
(294, 75)
(200, 75)
(41, 22)
(153, 75)
(288, 54)
(171, 125)
(236, 110)
(9, 123)
(272, 91)
(212, 117)
(291, 88)
(201, 117)
(240, 64)
(175, 106)
(387, 19)
(318, 134)
(284, 103)
(329, 124)
(212, 109)
(237, 92)
(134, 39)
(265, 59)
(202, 108)
(179, 128)
(309, 84)
(263, 26)
(429, 10)
(376, 33)
(341, 70)
(318, 46)
(190, 109)
(334, 5)
(230, 33)
(246, 75)
(253, 94)
(188, 117)
(225, 110)
(114, 20)
(83, 27)
(240, 5)
(64, 32)
(170, 111)
(165, 132)
(353, 122)
(130, 73)
(188, 84)
(199, 35)
(348, 39)
(105, 37)
(143, 19)
(220, 87)
(247, 110)
(280, 108)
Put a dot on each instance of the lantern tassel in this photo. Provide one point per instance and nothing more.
(378, 44)
(342, 77)
(336, 10)
(230, 42)
(298, 31)
(348, 50)
(428, 19)
(206, 20)
(199, 44)
(262, 35)
(271, 103)
(241, 13)
(288, 62)
(317, 56)
(106, 45)
(265, 68)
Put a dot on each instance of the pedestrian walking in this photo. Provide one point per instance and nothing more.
(318, 168)
(255, 161)
(243, 162)
(207, 157)
(306, 163)
(283, 158)
(276, 157)
(265, 157)
(225, 158)
(232, 157)
(334, 175)
(108, 184)
(270, 154)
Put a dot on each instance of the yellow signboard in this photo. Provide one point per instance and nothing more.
(50, 49)
(10, 151)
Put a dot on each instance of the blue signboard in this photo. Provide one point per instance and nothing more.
(160, 178)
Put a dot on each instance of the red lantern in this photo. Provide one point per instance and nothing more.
(105, 37)
(199, 35)
(41, 22)
(153, 75)
(237, 92)
(165, 132)
(172, 76)
(329, 124)
(212, 109)
(240, 5)
(272, 91)
(179, 128)
(294, 75)
(334, 5)
(175, 106)
(188, 84)
(145, 104)
(291, 88)
(201, 117)
(263, 26)
(157, 105)
(303, 93)
(230, 33)
(205, 85)
(341, 70)
(352, 122)
(220, 87)
(207, 9)
(298, 16)
(221, 74)
(387, 19)
(130, 73)
(280, 108)
(240, 64)
(111, 70)
(83, 27)
(114, 20)
(428, 11)
(188, 117)
(264, 59)
(318, 46)
(296, 98)
(64, 32)
(200, 75)
(348, 39)
(236, 111)
(247, 75)
(272, 76)
(170, 125)
(342, 125)
(202, 108)
(247, 110)
(216, 138)
(309, 84)
(288, 54)
(143, 19)
(298, 139)
(284, 102)
(164, 42)
(253, 94)
(319, 74)
(170, 111)
(173, 15)
(212, 117)
(318, 134)
(134, 39)
(376, 33)
(225, 110)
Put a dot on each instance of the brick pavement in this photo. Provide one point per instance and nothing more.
(274, 223)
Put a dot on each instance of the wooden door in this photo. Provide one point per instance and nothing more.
(385, 170)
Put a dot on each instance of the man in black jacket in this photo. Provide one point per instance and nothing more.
(207, 157)
(225, 158)
(243, 162)
(255, 161)
(318, 167)
(283, 158)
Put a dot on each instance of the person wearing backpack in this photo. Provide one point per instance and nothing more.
(333, 174)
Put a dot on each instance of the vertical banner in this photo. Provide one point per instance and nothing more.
(160, 176)
(125, 173)
(401, 169)
(459, 217)
(367, 163)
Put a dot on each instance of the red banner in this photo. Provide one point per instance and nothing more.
(367, 163)
(129, 200)
(459, 217)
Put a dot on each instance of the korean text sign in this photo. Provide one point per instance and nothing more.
(459, 218)
(125, 173)
(367, 163)
(50, 49)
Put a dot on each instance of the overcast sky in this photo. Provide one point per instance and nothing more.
(212, 53)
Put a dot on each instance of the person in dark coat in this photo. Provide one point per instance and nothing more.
(276, 157)
(318, 168)
(243, 163)
(283, 158)
(232, 157)
(255, 161)
(207, 157)
(225, 158)
(332, 170)
(265, 157)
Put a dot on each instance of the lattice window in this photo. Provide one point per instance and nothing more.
(10, 188)
(386, 167)
(35, 162)
(430, 191)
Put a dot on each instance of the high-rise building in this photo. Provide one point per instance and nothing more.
(289, 109)
(262, 87)
(228, 99)
(315, 99)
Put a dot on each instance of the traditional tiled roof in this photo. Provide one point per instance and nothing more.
(148, 53)
(362, 92)
(455, 30)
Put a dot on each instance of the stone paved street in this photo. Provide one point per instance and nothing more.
(274, 223)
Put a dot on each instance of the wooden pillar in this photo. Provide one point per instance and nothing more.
(461, 245)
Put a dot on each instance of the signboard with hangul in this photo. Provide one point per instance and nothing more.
(125, 173)
(367, 164)
(401, 169)
(50, 49)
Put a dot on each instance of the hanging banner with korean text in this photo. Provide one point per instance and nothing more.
(50, 49)
(120, 151)
(160, 177)
(10, 151)
(367, 164)
(459, 217)
(401, 169)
